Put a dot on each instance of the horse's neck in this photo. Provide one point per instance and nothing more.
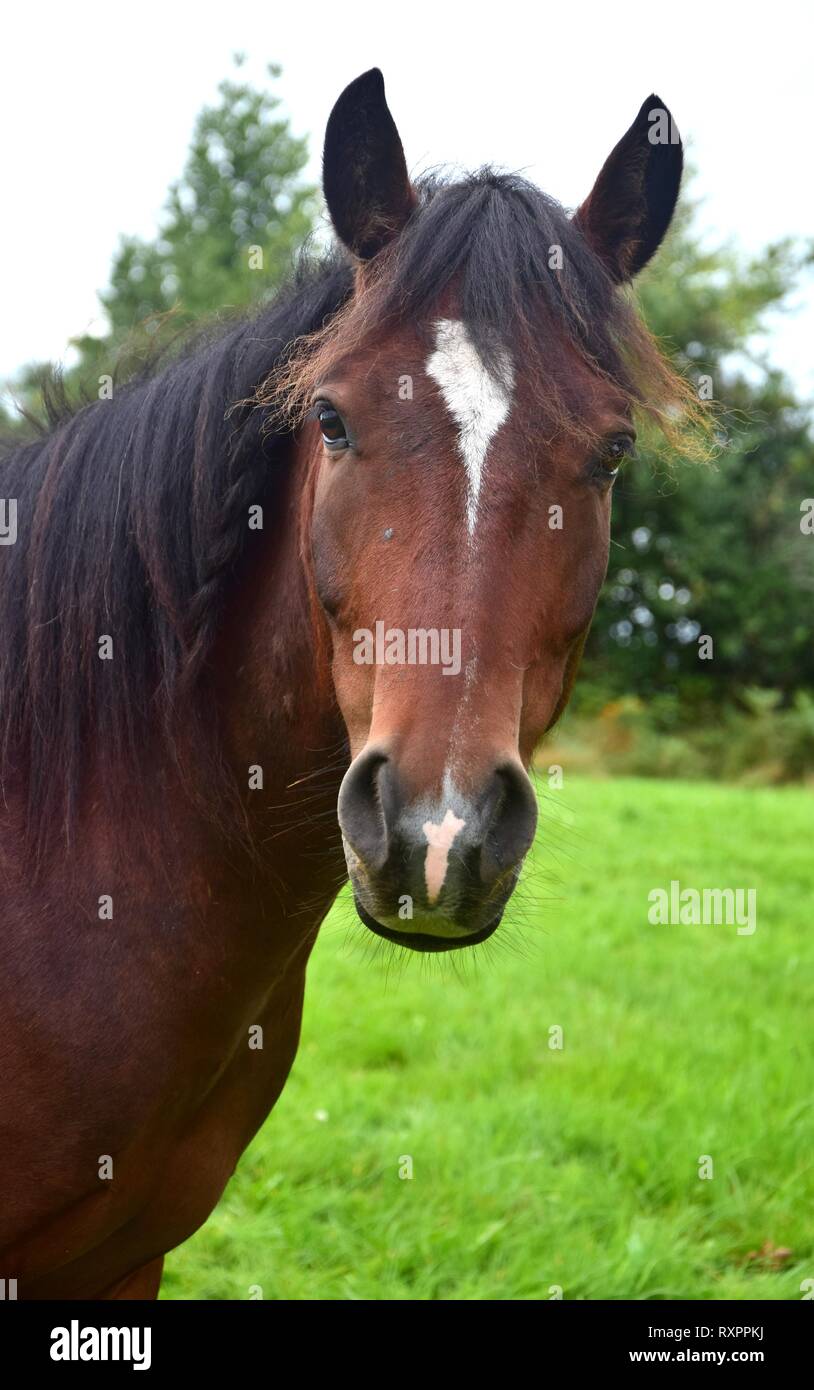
(239, 912)
(270, 663)
(278, 711)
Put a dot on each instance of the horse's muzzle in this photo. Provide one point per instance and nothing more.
(434, 872)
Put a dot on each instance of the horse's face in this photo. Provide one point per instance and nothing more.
(458, 555)
(459, 541)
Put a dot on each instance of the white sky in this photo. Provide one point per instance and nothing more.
(97, 104)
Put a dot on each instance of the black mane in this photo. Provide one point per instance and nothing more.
(132, 516)
(524, 278)
(496, 236)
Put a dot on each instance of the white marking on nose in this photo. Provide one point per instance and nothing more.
(477, 401)
(439, 843)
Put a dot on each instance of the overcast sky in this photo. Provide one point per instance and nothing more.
(98, 104)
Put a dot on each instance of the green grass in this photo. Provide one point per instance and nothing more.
(535, 1167)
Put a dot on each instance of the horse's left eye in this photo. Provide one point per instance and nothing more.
(333, 429)
(607, 465)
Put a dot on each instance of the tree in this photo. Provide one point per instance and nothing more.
(231, 225)
(713, 550)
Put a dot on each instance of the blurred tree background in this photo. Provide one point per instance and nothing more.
(700, 551)
(232, 224)
(715, 548)
(701, 657)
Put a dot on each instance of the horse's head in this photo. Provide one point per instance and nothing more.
(469, 410)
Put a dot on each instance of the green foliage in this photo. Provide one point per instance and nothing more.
(705, 302)
(714, 549)
(535, 1167)
(240, 189)
(760, 738)
(231, 226)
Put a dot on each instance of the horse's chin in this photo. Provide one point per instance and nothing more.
(425, 941)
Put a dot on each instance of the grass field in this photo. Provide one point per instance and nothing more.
(536, 1167)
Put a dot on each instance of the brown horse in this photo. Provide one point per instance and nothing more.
(351, 547)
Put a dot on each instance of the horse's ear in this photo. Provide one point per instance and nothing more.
(364, 175)
(628, 211)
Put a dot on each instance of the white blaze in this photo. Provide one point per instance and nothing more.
(477, 401)
(439, 843)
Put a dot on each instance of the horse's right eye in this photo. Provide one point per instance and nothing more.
(333, 429)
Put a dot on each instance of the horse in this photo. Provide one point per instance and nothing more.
(229, 612)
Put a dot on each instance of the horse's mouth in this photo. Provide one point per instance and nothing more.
(419, 941)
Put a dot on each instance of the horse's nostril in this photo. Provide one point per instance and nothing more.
(511, 822)
(362, 807)
(443, 853)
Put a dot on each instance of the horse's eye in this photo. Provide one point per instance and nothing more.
(607, 465)
(332, 426)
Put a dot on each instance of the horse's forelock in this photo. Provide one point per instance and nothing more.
(523, 279)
